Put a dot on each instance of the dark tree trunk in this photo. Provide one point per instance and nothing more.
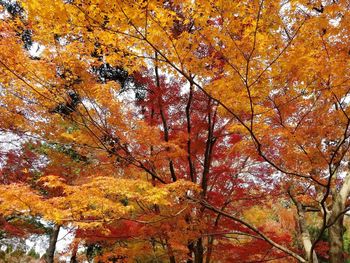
(199, 251)
(50, 253)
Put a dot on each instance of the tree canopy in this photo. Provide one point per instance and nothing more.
(176, 130)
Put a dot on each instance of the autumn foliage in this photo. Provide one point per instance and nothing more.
(177, 130)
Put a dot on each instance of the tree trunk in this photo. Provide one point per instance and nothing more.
(50, 253)
(198, 258)
(336, 230)
(305, 234)
(336, 242)
(210, 249)
(190, 253)
(196, 249)
(307, 247)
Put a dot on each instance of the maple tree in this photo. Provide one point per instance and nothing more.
(196, 131)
